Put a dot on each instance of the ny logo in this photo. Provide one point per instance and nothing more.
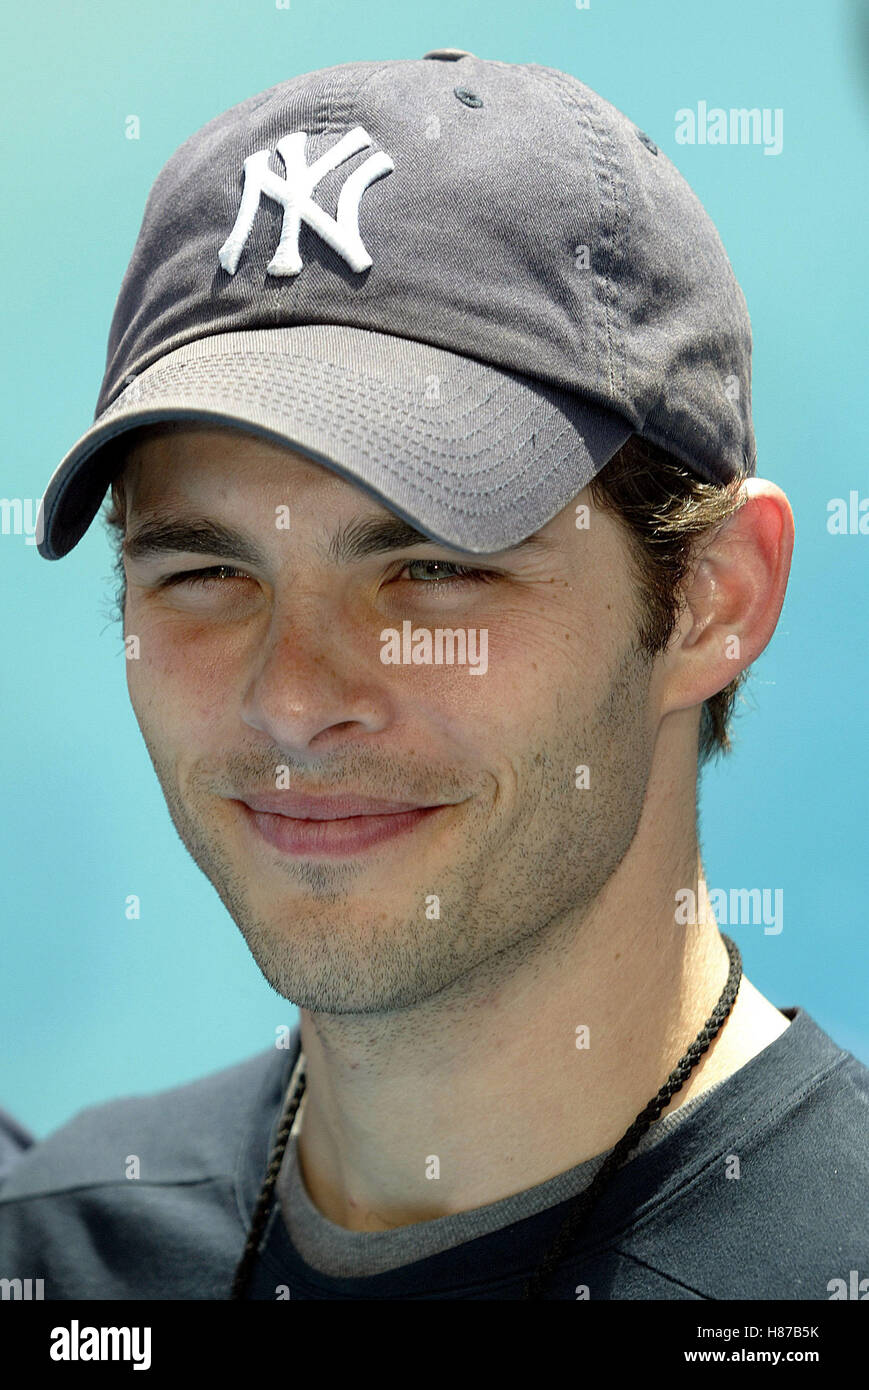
(294, 194)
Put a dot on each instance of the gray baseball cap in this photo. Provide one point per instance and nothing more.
(461, 284)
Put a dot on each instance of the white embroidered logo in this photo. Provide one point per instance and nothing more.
(294, 194)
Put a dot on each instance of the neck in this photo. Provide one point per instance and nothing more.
(484, 1084)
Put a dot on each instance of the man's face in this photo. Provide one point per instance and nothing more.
(245, 685)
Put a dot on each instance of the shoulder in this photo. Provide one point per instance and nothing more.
(183, 1133)
(140, 1197)
(15, 1140)
(765, 1196)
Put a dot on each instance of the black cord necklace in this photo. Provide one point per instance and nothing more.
(567, 1235)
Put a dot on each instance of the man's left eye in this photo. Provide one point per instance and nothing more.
(461, 573)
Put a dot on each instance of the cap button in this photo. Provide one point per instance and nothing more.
(449, 54)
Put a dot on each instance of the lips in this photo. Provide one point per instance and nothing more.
(332, 826)
(300, 807)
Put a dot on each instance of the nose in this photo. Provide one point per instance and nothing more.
(314, 681)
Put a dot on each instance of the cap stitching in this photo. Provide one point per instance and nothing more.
(603, 161)
(420, 454)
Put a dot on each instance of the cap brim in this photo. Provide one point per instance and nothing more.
(473, 456)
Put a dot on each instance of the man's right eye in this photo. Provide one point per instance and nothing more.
(205, 576)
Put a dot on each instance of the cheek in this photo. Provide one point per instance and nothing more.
(561, 624)
(536, 662)
(182, 677)
(554, 651)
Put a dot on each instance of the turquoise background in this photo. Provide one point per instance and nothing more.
(93, 1006)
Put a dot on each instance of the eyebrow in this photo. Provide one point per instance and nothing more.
(368, 536)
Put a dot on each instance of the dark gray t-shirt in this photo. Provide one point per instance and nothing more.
(756, 1191)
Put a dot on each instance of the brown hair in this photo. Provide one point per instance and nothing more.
(667, 513)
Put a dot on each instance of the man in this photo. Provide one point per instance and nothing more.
(402, 355)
